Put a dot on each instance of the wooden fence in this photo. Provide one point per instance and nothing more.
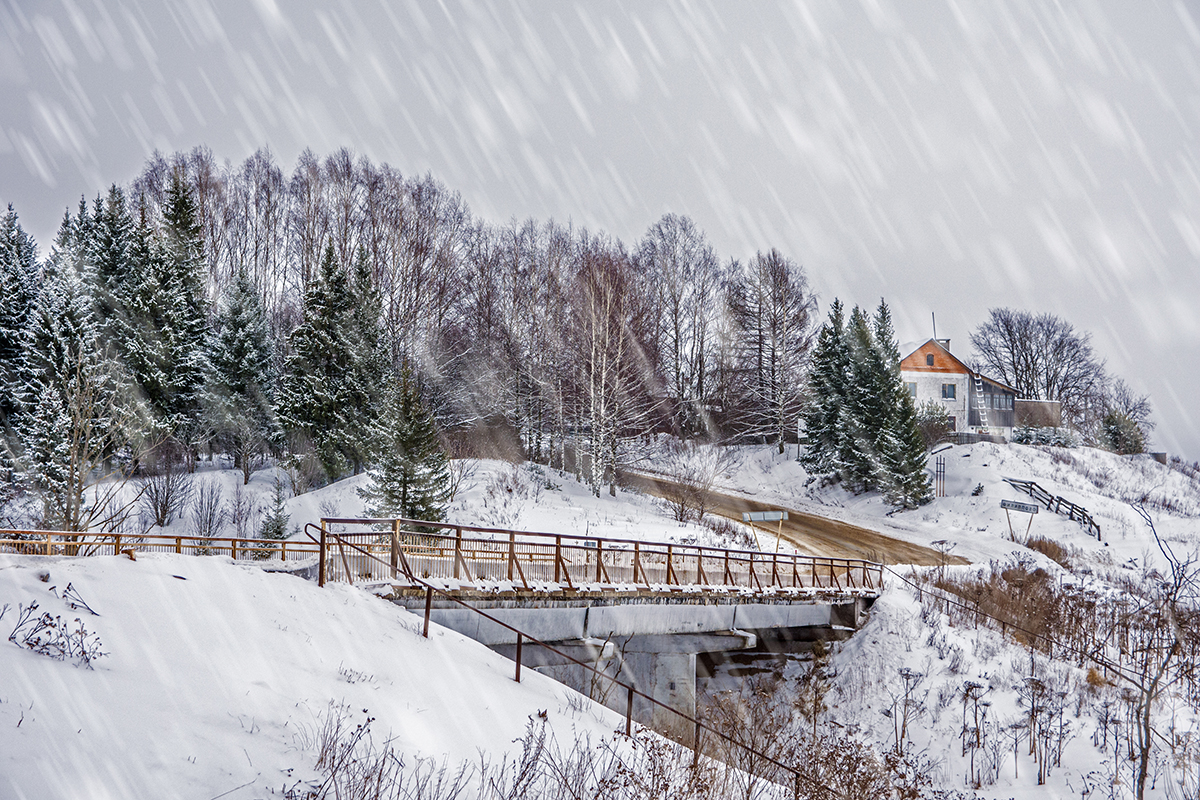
(1058, 505)
(53, 543)
(391, 549)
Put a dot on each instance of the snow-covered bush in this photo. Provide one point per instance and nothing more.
(1053, 437)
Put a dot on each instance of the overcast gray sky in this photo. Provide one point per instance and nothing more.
(949, 156)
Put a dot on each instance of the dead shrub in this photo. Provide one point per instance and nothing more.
(1051, 549)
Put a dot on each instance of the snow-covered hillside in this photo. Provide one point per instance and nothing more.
(217, 679)
(220, 676)
(1102, 482)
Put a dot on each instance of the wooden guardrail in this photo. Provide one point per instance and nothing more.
(50, 543)
(1059, 505)
(389, 549)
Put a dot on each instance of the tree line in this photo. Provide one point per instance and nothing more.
(218, 309)
(235, 309)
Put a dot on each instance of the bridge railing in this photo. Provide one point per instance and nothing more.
(393, 549)
(60, 543)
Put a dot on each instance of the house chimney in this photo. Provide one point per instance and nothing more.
(944, 343)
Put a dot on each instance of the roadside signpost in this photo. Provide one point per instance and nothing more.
(1025, 508)
(751, 517)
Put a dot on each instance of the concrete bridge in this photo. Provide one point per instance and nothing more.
(655, 614)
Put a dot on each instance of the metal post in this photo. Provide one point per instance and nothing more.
(395, 554)
(629, 713)
(457, 549)
(520, 640)
(321, 558)
(428, 608)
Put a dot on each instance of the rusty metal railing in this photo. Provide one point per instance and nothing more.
(65, 543)
(400, 549)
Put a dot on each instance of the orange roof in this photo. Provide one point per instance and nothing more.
(944, 362)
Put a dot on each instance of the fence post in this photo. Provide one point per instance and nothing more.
(395, 559)
(457, 549)
(283, 550)
(116, 545)
(321, 558)
(512, 553)
(599, 557)
(520, 639)
(47, 544)
(233, 548)
(629, 712)
(557, 559)
(178, 544)
(428, 608)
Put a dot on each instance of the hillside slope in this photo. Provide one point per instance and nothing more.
(219, 676)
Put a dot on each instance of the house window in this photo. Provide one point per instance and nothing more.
(912, 390)
(929, 359)
(948, 391)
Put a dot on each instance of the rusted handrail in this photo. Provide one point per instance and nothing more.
(527, 558)
(71, 543)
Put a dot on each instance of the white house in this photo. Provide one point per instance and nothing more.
(975, 402)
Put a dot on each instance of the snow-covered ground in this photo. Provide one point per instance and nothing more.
(1101, 482)
(218, 677)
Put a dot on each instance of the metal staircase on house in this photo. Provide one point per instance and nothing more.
(981, 404)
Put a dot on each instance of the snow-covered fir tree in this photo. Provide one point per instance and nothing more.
(18, 292)
(322, 402)
(76, 427)
(243, 378)
(904, 481)
(109, 252)
(183, 306)
(411, 477)
(827, 395)
(860, 422)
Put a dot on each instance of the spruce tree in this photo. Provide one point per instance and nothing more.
(109, 252)
(18, 292)
(411, 477)
(75, 424)
(368, 367)
(184, 315)
(861, 422)
(864, 414)
(827, 395)
(243, 380)
(275, 524)
(317, 398)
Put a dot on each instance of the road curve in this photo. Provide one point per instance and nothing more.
(810, 534)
